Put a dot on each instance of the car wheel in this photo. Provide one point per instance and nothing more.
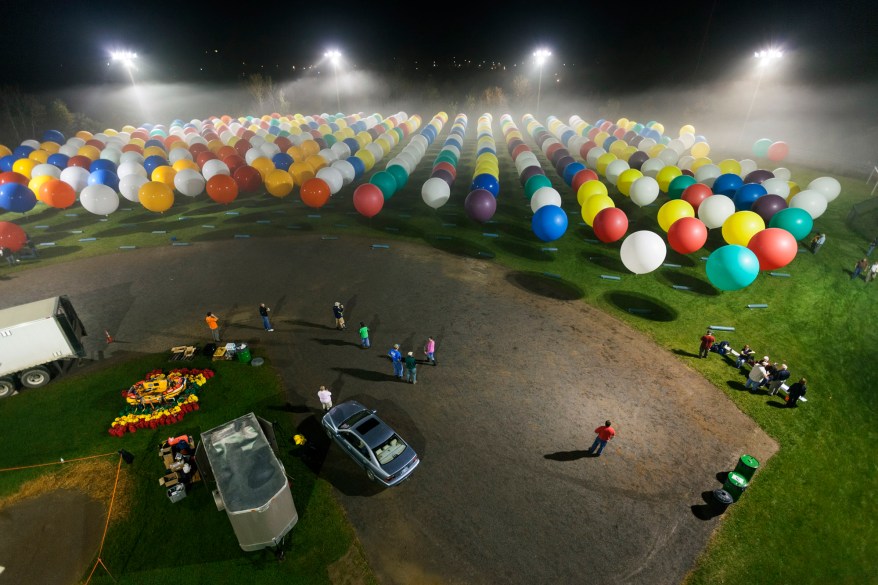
(7, 387)
(35, 377)
(370, 475)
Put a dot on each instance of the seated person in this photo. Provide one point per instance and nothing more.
(745, 356)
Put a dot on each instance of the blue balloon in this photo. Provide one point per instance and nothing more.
(486, 181)
(571, 170)
(352, 144)
(485, 150)
(732, 267)
(746, 196)
(333, 126)
(7, 161)
(313, 125)
(358, 164)
(53, 136)
(16, 197)
(610, 140)
(104, 177)
(727, 184)
(549, 223)
(274, 131)
(22, 151)
(566, 136)
(57, 159)
(153, 162)
(154, 142)
(282, 161)
(102, 164)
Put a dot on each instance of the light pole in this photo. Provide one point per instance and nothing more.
(540, 56)
(335, 57)
(764, 59)
(127, 59)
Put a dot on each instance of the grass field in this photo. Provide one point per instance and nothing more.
(809, 514)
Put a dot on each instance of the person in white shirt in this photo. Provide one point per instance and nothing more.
(325, 397)
(757, 375)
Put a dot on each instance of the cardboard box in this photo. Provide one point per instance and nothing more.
(169, 480)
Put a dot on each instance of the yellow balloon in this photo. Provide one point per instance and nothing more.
(324, 129)
(367, 158)
(794, 190)
(385, 146)
(687, 129)
(24, 166)
(317, 162)
(301, 172)
(309, 147)
(110, 132)
(278, 183)
(89, 151)
(665, 176)
(85, 135)
(656, 150)
(623, 122)
(128, 128)
(594, 205)
(625, 180)
(4, 150)
(40, 156)
(672, 211)
(37, 182)
(604, 160)
(588, 189)
(699, 162)
(153, 151)
(137, 142)
(741, 226)
(164, 174)
(185, 163)
(214, 145)
(264, 165)
(626, 154)
(297, 153)
(600, 138)
(729, 165)
(341, 123)
(660, 128)
(156, 196)
(618, 148)
(49, 146)
(363, 138)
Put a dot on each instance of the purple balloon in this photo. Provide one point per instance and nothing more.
(529, 172)
(563, 162)
(767, 205)
(558, 155)
(444, 175)
(758, 176)
(480, 205)
(636, 160)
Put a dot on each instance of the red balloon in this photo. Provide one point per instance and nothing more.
(248, 179)
(778, 151)
(581, 177)
(687, 235)
(583, 150)
(13, 177)
(12, 236)
(774, 247)
(368, 200)
(610, 224)
(79, 161)
(222, 189)
(695, 193)
(58, 194)
(202, 157)
(448, 167)
(519, 149)
(315, 193)
(225, 151)
(243, 145)
(132, 148)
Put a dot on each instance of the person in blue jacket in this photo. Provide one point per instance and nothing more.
(396, 358)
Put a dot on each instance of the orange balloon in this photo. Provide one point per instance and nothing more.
(309, 147)
(222, 189)
(156, 196)
(315, 193)
(56, 193)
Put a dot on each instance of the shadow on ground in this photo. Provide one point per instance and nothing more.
(546, 286)
(642, 306)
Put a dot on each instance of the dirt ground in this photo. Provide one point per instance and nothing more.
(505, 492)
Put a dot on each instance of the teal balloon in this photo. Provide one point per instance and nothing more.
(795, 220)
(760, 147)
(399, 173)
(678, 185)
(385, 182)
(732, 267)
(534, 183)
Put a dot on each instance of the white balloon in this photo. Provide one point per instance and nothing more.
(68, 150)
(129, 186)
(643, 252)
(179, 153)
(189, 182)
(131, 156)
(544, 196)
(452, 148)
(32, 143)
(99, 199)
(646, 144)
(269, 149)
(644, 190)
(421, 142)
(593, 155)
(407, 161)
(45, 170)
(252, 154)
(435, 192)
(75, 142)
(257, 141)
(782, 173)
(829, 187)
(677, 146)
(777, 186)
(814, 202)
(329, 155)
(332, 177)
(707, 173)
(748, 166)
(685, 162)
(549, 142)
(76, 177)
(715, 210)
(215, 167)
(669, 156)
(614, 169)
(377, 152)
(346, 169)
(652, 166)
(341, 150)
(688, 140)
(111, 154)
(130, 168)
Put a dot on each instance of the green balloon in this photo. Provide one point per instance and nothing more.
(760, 147)
(399, 174)
(678, 185)
(400, 134)
(534, 183)
(446, 157)
(330, 139)
(385, 182)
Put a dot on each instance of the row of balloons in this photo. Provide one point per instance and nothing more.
(436, 191)
(481, 202)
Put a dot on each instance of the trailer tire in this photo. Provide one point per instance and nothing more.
(7, 386)
(35, 377)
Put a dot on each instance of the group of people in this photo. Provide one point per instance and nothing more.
(771, 375)
(863, 267)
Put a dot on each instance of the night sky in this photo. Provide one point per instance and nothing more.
(615, 45)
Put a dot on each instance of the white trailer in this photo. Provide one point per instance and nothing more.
(38, 340)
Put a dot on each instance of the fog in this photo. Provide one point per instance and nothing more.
(829, 128)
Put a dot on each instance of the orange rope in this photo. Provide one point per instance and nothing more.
(59, 462)
(107, 527)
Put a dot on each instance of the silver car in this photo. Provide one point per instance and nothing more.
(370, 442)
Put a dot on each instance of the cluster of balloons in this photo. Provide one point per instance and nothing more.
(481, 203)
(775, 151)
(437, 189)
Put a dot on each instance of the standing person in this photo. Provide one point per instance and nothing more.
(873, 272)
(325, 397)
(871, 249)
(213, 324)
(396, 359)
(744, 355)
(817, 242)
(604, 434)
(338, 312)
(263, 312)
(411, 368)
(758, 374)
(430, 350)
(780, 376)
(707, 340)
(796, 391)
(859, 267)
(364, 336)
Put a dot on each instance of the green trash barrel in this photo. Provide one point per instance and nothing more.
(747, 466)
(735, 484)
(243, 353)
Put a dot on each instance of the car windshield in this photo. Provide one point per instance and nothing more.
(390, 450)
(354, 419)
(367, 425)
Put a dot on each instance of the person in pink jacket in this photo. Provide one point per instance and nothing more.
(430, 350)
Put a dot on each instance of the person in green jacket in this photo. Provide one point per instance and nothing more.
(411, 368)
(364, 335)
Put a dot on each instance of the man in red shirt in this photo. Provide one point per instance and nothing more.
(604, 434)
(706, 341)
